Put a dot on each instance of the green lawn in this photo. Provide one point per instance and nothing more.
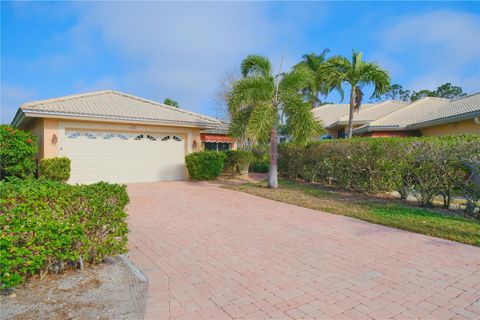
(384, 212)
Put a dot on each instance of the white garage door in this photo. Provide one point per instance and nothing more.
(124, 157)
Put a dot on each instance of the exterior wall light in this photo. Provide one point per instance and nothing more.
(54, 138)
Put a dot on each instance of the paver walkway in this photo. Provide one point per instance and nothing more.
(220, 254)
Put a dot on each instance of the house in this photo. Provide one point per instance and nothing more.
(428, 117)
(425, 117)
(116, 137)
(365, 115)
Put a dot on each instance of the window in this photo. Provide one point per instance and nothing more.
(74, 135)
(176, 138)
(341, 133)
(89, 135)
(148, 137)
(166, 138)
(216, 146)
(115, 135)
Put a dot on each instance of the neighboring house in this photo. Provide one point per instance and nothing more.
(428, 117)
(365, 115)
(116, 137)
(425, 117)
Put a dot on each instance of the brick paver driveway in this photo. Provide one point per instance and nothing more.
(220, 254)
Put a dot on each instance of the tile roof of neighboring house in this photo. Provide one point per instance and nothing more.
(116, 106)
(330, 113)
(372, 112)
(424, 112)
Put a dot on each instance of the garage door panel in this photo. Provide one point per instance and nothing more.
(118, 157)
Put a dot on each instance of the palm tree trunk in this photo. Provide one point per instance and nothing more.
(350, 115)
(272, 173)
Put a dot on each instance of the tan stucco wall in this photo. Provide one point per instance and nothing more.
(461, 127)
(50, 131)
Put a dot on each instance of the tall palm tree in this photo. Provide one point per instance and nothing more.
(259, 98)
(317, 84)
(357, 74)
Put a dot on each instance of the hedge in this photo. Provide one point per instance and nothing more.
(205, 165)
(18, 150)
(237, 161)
(48, 226)
(425, 167)
(261, 159)
(57, 169)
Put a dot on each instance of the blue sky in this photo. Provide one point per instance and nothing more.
(182, 50)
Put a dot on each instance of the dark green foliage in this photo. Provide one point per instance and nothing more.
(237, 161)
(45, 223)
(18, 150)
(57, 169)
(261, 159)
(205, 165)
(425, 167)
(171, 102)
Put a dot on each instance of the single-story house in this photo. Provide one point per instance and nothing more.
(425, 117)
(365, 115)
(428, 117)
(116, 137)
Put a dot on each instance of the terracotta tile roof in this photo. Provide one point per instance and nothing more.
(117, 105)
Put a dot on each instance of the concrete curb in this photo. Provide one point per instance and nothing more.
(141, 277)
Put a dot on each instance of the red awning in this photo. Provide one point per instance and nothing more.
(217, 138)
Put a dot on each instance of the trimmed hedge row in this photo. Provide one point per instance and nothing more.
(425, 167)
(47, 225)
(18, 151)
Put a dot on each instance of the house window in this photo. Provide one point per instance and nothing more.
(341, 133)
(143, 137)
(216, 146)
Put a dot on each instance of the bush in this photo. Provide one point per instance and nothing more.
(18, 150)
(261, 159)
(205, 165)
(259, 167)
(426, 166)
(57, 169)
(47, 225)
(237, 161)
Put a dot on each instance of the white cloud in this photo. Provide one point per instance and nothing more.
(11, 99)
(180, 50)
(438, 47)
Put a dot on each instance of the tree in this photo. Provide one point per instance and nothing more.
(220, 98)
(259, 98)
(417, 95)
(396, 92)
(357, 74)
(171, 102)
(448, 91)
(317, 83)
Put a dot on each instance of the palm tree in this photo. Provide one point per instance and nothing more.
(317, 85)
(259, 98)
(357, 74)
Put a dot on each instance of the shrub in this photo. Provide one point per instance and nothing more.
(237, 161)
(205, 165)
(426, 166)
(49, 225)
(18, 150)
(260, 167)
(261, 159)
(57, 169)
